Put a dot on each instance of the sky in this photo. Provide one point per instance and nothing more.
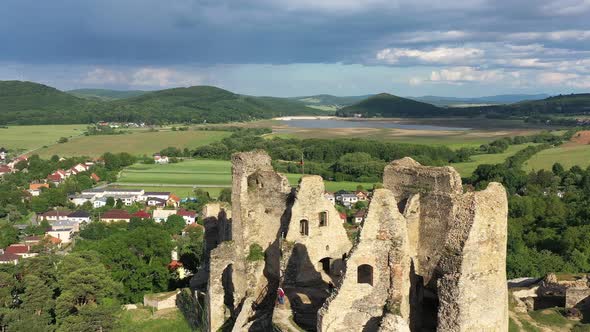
(458, 48)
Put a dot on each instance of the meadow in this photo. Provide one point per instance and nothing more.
(142, 319)
(137, 143)
(26, 138)
(210, 175)
(467, 168)
(568, 155)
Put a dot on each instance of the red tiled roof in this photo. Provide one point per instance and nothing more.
(186, 213)
(53, 240)
(5, 169)
(174, 198)
(18, 248)
(116, 214)
(360, 214)
(142, 214)
(56, 213)
(174, 265)
(343, 215)
(8, 257)
(54, 177)
(95, 177)
(35, 186)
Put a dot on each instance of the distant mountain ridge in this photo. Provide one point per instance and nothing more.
(34, 103)
(329, 102)
(387, 105)
(497, 99)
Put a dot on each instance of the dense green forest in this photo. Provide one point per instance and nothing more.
(386, 105)
(32, 103)
(105, 94)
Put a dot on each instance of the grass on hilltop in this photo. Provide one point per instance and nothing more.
(467, 168)
(567, 155)
(142, 319)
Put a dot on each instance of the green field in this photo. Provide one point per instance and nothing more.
(466, 168)
(568, 155)
(212, 174)
(137, 143)
(170, 320)
(25, 138)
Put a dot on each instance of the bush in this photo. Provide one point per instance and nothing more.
(62, 140)
(256, 253)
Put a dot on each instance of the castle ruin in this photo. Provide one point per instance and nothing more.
(429, 257)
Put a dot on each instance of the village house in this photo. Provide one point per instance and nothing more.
(79, 216)
(159, 159)
(155, 201)
(142, 215)
(35, 188)
(343, 216)
(116, 215)
(173, 201)
(3, 153)
(362, 195)
(63, 234)
(330, 196)
(17, 160)
(156, 194)
(189, 216)
(54, 215)
(32, 240)
(65, 224)
(347, 199)
(9, 259)
(160, 215)
(100, 202)
(95, 177)
(5, 170)
(20, 249)
(359, 216)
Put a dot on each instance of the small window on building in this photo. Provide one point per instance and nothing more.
(323, 218)
(304, 227)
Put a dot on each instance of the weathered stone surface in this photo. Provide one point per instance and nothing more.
(428, 256)
(383, 251)
(577, 298)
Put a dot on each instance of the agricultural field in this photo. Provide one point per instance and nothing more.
(137, 143)
(574, 152)
(210, 175)
(467, 168)
(26, 138)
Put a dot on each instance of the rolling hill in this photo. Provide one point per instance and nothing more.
(386, 105)
(105, 94)
(490, 100)
(33, 103)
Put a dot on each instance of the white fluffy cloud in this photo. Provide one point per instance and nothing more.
(466, 74)
(568, 79)
(439, 55)
(142, 77)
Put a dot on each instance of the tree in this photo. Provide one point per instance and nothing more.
(8, 235)
(37, 298)
(110, 201)
(225, 195)
(62, 140)
(175, 224)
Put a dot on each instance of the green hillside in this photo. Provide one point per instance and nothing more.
(105, 94)
(32, 103)
(386, 105)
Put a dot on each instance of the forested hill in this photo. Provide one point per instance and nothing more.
(386, 105)
(105, 94)
(33, 103)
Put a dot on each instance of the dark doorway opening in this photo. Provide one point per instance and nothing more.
(365, 274)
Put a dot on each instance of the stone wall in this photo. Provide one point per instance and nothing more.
(322, 241)
(577, 298)
(161, 301)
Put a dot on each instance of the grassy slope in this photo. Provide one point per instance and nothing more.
(137, 143)
(169, 320)
(466, 168)
(567, 155)
(32, 137)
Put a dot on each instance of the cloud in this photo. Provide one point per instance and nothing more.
(466, 74)
(567, 7)
(568, 79)
(439, 55)
(141, 77)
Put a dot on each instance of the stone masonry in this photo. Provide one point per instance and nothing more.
(429, 257)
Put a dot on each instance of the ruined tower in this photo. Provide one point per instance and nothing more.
(428, 256)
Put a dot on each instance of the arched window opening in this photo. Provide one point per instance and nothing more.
(365, 274)
(304, 227)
